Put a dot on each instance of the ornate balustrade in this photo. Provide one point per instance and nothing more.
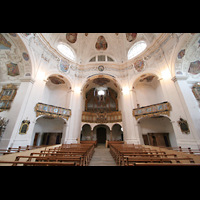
(52, 111)
(102, 117)
(152, 110)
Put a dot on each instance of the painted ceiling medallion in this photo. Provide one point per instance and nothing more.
(194, 67)
(131, 36)
(139, 65)
(147, 79)
(101, 43)
(12, 69)
(181, 54)
(100, 68)
(56, 80)
(101, 81)
(64, 66)
(71, 37)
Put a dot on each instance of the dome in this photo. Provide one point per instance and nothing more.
(84, 48)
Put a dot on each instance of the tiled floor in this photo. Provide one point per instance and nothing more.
(102, 157)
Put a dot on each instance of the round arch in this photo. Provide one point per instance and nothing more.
(47, 130)
(108, 76)
(101, 133)
(153, 72)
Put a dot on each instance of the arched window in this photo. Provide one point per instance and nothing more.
(136, 49)
(66, 51)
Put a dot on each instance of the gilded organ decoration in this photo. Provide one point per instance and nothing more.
(102, 103)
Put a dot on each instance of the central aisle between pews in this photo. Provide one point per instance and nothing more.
(102, 157)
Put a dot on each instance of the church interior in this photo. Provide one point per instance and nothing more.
(101, 98)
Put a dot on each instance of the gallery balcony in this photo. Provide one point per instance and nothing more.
(101, 117)
(52, 111)
(163, 108)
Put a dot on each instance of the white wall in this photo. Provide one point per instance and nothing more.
(158, 125)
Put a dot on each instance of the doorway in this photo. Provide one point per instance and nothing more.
(101, 135)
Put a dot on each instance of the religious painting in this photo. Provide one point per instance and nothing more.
(25, 56)
(181, 54)
(194, 67)
(101, 81)
(6, 96)
(56, 80)
(148, 79)
(71, 37)
(64, 66)
(184, 126)
(131, 36)
(13, 69)
(139, 65)
(4, 44)
(24, 127)
(101, 43)
(196, 91)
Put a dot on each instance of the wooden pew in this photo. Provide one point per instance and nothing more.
(165, 164)
(76, 154)
(89, 142)
(115, 142)
(28, 163)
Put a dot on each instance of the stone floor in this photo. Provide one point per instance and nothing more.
(102, 157)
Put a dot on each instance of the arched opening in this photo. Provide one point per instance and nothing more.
(86, 133)
(117, 133)
(148, 90)
(101, 133)
(48, 131)
(157, 131)
(56, 91)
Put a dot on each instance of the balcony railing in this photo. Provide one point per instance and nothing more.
(52, 111)
(102, 117)
(152, 110)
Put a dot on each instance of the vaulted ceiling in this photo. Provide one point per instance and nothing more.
(116, 45)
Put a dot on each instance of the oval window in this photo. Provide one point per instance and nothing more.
(136, 49)
(66, 51)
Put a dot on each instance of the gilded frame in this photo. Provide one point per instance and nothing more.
(24, 127)
(6, 96)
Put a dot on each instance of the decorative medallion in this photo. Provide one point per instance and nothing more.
(71, 37)
(101, 43)
(56, 80)
(184, 126)
(139, 65)
(100, 68)
(25, 56)
(131, 36)
(194, 67)
(101, 81)
(181, 54)
(12, 69)
(64, 66)
(86, 34)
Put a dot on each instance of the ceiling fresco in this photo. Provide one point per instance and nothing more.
(101, 43)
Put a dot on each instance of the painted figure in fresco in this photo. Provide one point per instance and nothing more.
(131, 36)
(139, 65)
(194, 67)
(101, 43)
(71, 37)
(13, 69)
